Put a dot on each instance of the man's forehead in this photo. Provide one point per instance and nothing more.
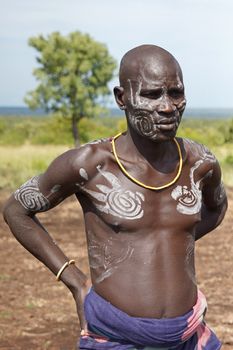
(150, 64)
(153, 80)
(152, 70)
(159, 69)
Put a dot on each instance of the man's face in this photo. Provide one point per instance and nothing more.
(155, 101)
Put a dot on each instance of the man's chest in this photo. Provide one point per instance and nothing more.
(120, 201)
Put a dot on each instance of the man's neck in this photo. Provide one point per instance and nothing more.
(135, 146)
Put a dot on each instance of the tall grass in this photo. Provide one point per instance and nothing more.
(17, 164)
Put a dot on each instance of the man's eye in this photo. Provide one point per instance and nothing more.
(151, 94)
(176, 93)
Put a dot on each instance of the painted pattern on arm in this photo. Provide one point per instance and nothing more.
(30, 197)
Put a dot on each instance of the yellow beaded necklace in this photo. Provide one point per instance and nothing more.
(140, 183)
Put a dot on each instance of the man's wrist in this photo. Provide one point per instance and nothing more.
(64, 266)
(73, 278)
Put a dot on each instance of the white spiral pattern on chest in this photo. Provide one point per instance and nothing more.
(125, 203)
(115, 200)
(187, 198)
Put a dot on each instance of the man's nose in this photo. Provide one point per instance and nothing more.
(166, 106)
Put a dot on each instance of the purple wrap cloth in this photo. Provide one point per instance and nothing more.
(111, 328)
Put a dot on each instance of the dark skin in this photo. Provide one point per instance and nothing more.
(141, 260)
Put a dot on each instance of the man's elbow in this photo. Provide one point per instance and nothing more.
(7, 210)
(11, 210)
(222, 211)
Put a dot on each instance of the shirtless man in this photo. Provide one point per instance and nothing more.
(146, 197)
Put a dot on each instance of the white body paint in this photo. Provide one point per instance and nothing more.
(55, 188)
(145, 117)
(95, 142)
(142, 119)
(83, 173)
(30, 197)
(200, 150)
(189, 200)
(115, 200)
(137, 102)
(103, 255)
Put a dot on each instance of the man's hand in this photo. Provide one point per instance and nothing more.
(79, 297)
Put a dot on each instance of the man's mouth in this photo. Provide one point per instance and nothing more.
(167, 124)
(166, 121)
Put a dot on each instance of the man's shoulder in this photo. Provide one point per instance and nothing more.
(95, 148)
(90, 153)
(76, 163)
(96, 144)
(198, 151)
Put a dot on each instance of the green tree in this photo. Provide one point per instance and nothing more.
(73, 74)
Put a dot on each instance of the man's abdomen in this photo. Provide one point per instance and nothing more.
(150, 277)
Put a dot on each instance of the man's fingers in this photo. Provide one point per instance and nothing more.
(79, 297)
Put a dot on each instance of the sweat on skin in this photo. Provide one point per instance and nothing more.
(141, 242)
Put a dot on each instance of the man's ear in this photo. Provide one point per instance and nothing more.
(119, 96)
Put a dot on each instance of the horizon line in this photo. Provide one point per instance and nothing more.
(114, 107)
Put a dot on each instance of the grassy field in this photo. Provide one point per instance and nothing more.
(20, 163)
(225, 156)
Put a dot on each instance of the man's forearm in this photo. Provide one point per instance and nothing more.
(31, 234)
(210, 219)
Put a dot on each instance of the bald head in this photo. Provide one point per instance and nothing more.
(137, 61)
(151, 90)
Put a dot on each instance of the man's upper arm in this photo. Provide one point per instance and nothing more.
(59, 181)
(214, 194)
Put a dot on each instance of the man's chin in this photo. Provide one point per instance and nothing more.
(158, 135)
(163, 136)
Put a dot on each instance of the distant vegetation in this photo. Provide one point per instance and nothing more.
(28, 144)
(72, 72)
(55, 130)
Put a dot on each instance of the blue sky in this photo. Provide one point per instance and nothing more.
(197, 32)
